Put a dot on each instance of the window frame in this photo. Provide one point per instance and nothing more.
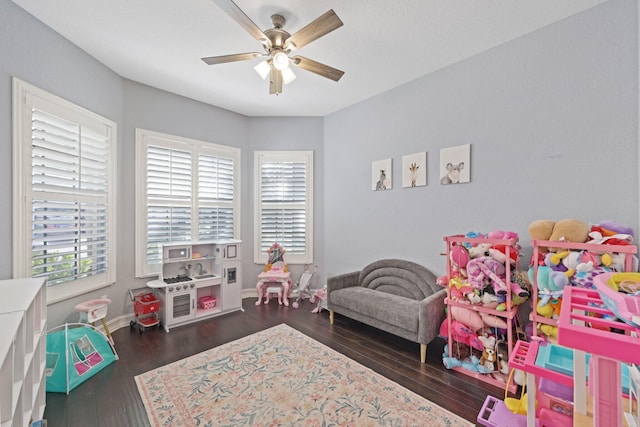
(25, 96)
(145, 138)
(297, 156)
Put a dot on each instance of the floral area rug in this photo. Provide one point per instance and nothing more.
(280, 377)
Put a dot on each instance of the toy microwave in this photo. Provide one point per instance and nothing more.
(176, 253)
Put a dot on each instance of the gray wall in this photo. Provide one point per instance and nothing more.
(552, 119)
(286, 133)
(38, 55)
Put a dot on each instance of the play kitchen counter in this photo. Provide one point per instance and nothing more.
(198, 281)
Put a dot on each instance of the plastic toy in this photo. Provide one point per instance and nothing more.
(301, 289)
(94, 310)
(620, 292)
(515, 405)
(494, 413)
(321, 296)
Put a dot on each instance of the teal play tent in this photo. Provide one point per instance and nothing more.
(75, 353)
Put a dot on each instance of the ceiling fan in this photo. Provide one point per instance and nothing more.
(278, 44)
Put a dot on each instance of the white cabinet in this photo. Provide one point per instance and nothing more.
(198, 281)
(23, 316)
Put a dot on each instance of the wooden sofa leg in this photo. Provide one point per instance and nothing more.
(331, 317)
(423, 353)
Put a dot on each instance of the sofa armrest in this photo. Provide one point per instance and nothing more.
(431, 316)
(341, 281)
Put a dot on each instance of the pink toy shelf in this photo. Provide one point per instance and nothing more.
(508, 315)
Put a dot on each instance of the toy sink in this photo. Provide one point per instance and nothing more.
(626, 306)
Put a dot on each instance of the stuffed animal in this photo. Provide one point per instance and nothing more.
(461, 334)
(568, 230)
(485, 271)
(499, 234)
(468, 317)
(489, 358)
(460, 290)
(549, 330)
(493, 321)
(550, 283)
(459, 257)
(473, 364)
(611, 233)
(479, 250)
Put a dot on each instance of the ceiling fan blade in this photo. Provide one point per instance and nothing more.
(316, 67)
(245, 22)
(212, 60)
(275, 81)
(314, 30)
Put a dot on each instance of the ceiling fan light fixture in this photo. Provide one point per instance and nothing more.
(288, 76)
(281, 61)
(263, 69)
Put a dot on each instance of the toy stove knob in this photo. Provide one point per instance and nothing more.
(170, 288)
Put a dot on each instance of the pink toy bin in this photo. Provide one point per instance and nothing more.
(207, 302)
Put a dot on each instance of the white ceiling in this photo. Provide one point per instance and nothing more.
(383, 43)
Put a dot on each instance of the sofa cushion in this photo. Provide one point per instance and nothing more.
(393, 309)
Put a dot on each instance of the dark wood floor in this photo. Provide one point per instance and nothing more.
(111, 397)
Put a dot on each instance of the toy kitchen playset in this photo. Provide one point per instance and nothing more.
(198, 281)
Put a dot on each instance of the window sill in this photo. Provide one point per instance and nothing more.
(65, 291)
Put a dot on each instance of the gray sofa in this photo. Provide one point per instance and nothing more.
(396, 296)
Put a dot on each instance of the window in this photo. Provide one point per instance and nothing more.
(186, 190)
(64, 213)
(284, 204)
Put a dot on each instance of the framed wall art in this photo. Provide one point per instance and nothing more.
(381, 175)
(414, 170)
(455, 165)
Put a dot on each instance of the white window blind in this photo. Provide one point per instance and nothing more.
(215, 197)
(284, 204)
(188, 191)
(169, 183)
(64, 188)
